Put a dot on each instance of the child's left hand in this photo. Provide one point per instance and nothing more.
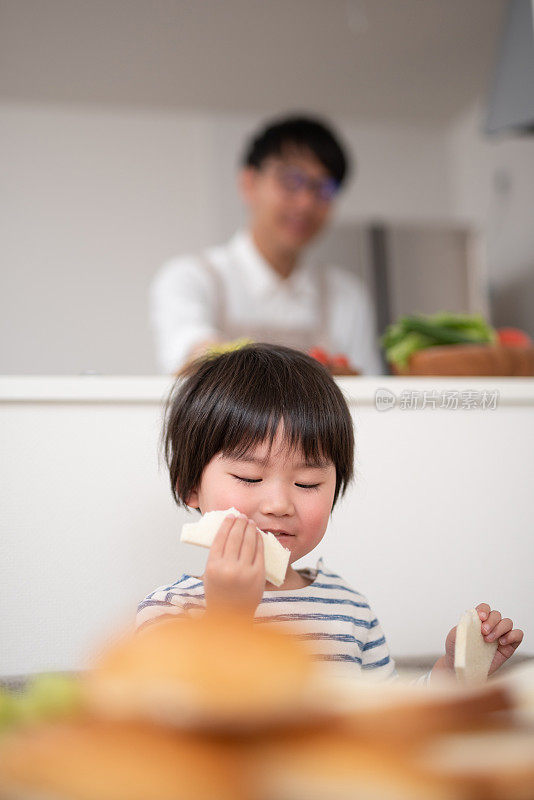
(498, 629)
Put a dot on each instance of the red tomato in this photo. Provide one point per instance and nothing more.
(513, 337)
(340, 360)
(319, 354)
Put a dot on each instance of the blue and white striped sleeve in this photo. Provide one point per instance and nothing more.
(155, 606)
(175, 600)
(376, 661)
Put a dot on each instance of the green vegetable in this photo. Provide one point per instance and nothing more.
(442, 334)
(401, 352)
(415, 332)
(50, 695)
(393, 334)
(7, 709)
(463, 321)
(46, 697)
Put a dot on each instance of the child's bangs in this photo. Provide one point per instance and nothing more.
(235, 402)
(303, 432)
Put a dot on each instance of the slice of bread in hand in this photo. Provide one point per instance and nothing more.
(472, 654)
(204, 531)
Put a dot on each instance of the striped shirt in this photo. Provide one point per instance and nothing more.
(335, 620)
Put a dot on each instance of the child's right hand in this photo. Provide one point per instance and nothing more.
(235, 571)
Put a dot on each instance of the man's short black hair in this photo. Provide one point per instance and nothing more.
(231, 402)
(306, 133)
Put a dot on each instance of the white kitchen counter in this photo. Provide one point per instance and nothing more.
(439, 518)
(152, 388)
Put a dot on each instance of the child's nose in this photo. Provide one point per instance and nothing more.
(277, 501)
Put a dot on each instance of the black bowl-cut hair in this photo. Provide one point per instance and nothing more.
(232, 402)
(301, 133)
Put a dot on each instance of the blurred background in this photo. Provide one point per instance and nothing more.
(122, 123)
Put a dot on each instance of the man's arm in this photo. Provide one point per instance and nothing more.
(182, 312)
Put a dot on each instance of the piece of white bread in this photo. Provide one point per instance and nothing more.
(203, 533)
(472, 654)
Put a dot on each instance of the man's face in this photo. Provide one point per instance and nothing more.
(289, 197)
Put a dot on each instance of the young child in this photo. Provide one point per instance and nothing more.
(266, 430)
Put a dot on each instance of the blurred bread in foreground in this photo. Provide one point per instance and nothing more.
(399, 712)
(337, 764)
(489, 763)
(518, 683)
(491, 760)
(214, 670)
(220, 707)
(101, 760)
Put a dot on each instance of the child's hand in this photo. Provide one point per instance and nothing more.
(235, 570)
(498, 629)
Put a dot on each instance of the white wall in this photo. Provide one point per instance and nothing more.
(96, 199)
(93, 202)
(492, 184)
(438, 520)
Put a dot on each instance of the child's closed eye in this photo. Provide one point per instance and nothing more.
(258, 480)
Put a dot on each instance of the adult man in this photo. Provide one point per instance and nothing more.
(258, 285)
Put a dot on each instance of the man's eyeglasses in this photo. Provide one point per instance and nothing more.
(293, 180)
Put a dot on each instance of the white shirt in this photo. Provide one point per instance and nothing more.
(183, 303)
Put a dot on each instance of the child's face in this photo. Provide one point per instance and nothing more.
(277, 490)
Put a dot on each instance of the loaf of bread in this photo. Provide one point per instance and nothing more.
(219, 669)
(204, 531)
(494, 761)
(222, 707)
(96, 759)
(397, 711)
(332, 763)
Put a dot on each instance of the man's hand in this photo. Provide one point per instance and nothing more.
(235, 571)
(494, 629)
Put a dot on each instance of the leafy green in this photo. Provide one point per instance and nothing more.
(402, 350)
(415, 332)
(47, 696)
(7, 709)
